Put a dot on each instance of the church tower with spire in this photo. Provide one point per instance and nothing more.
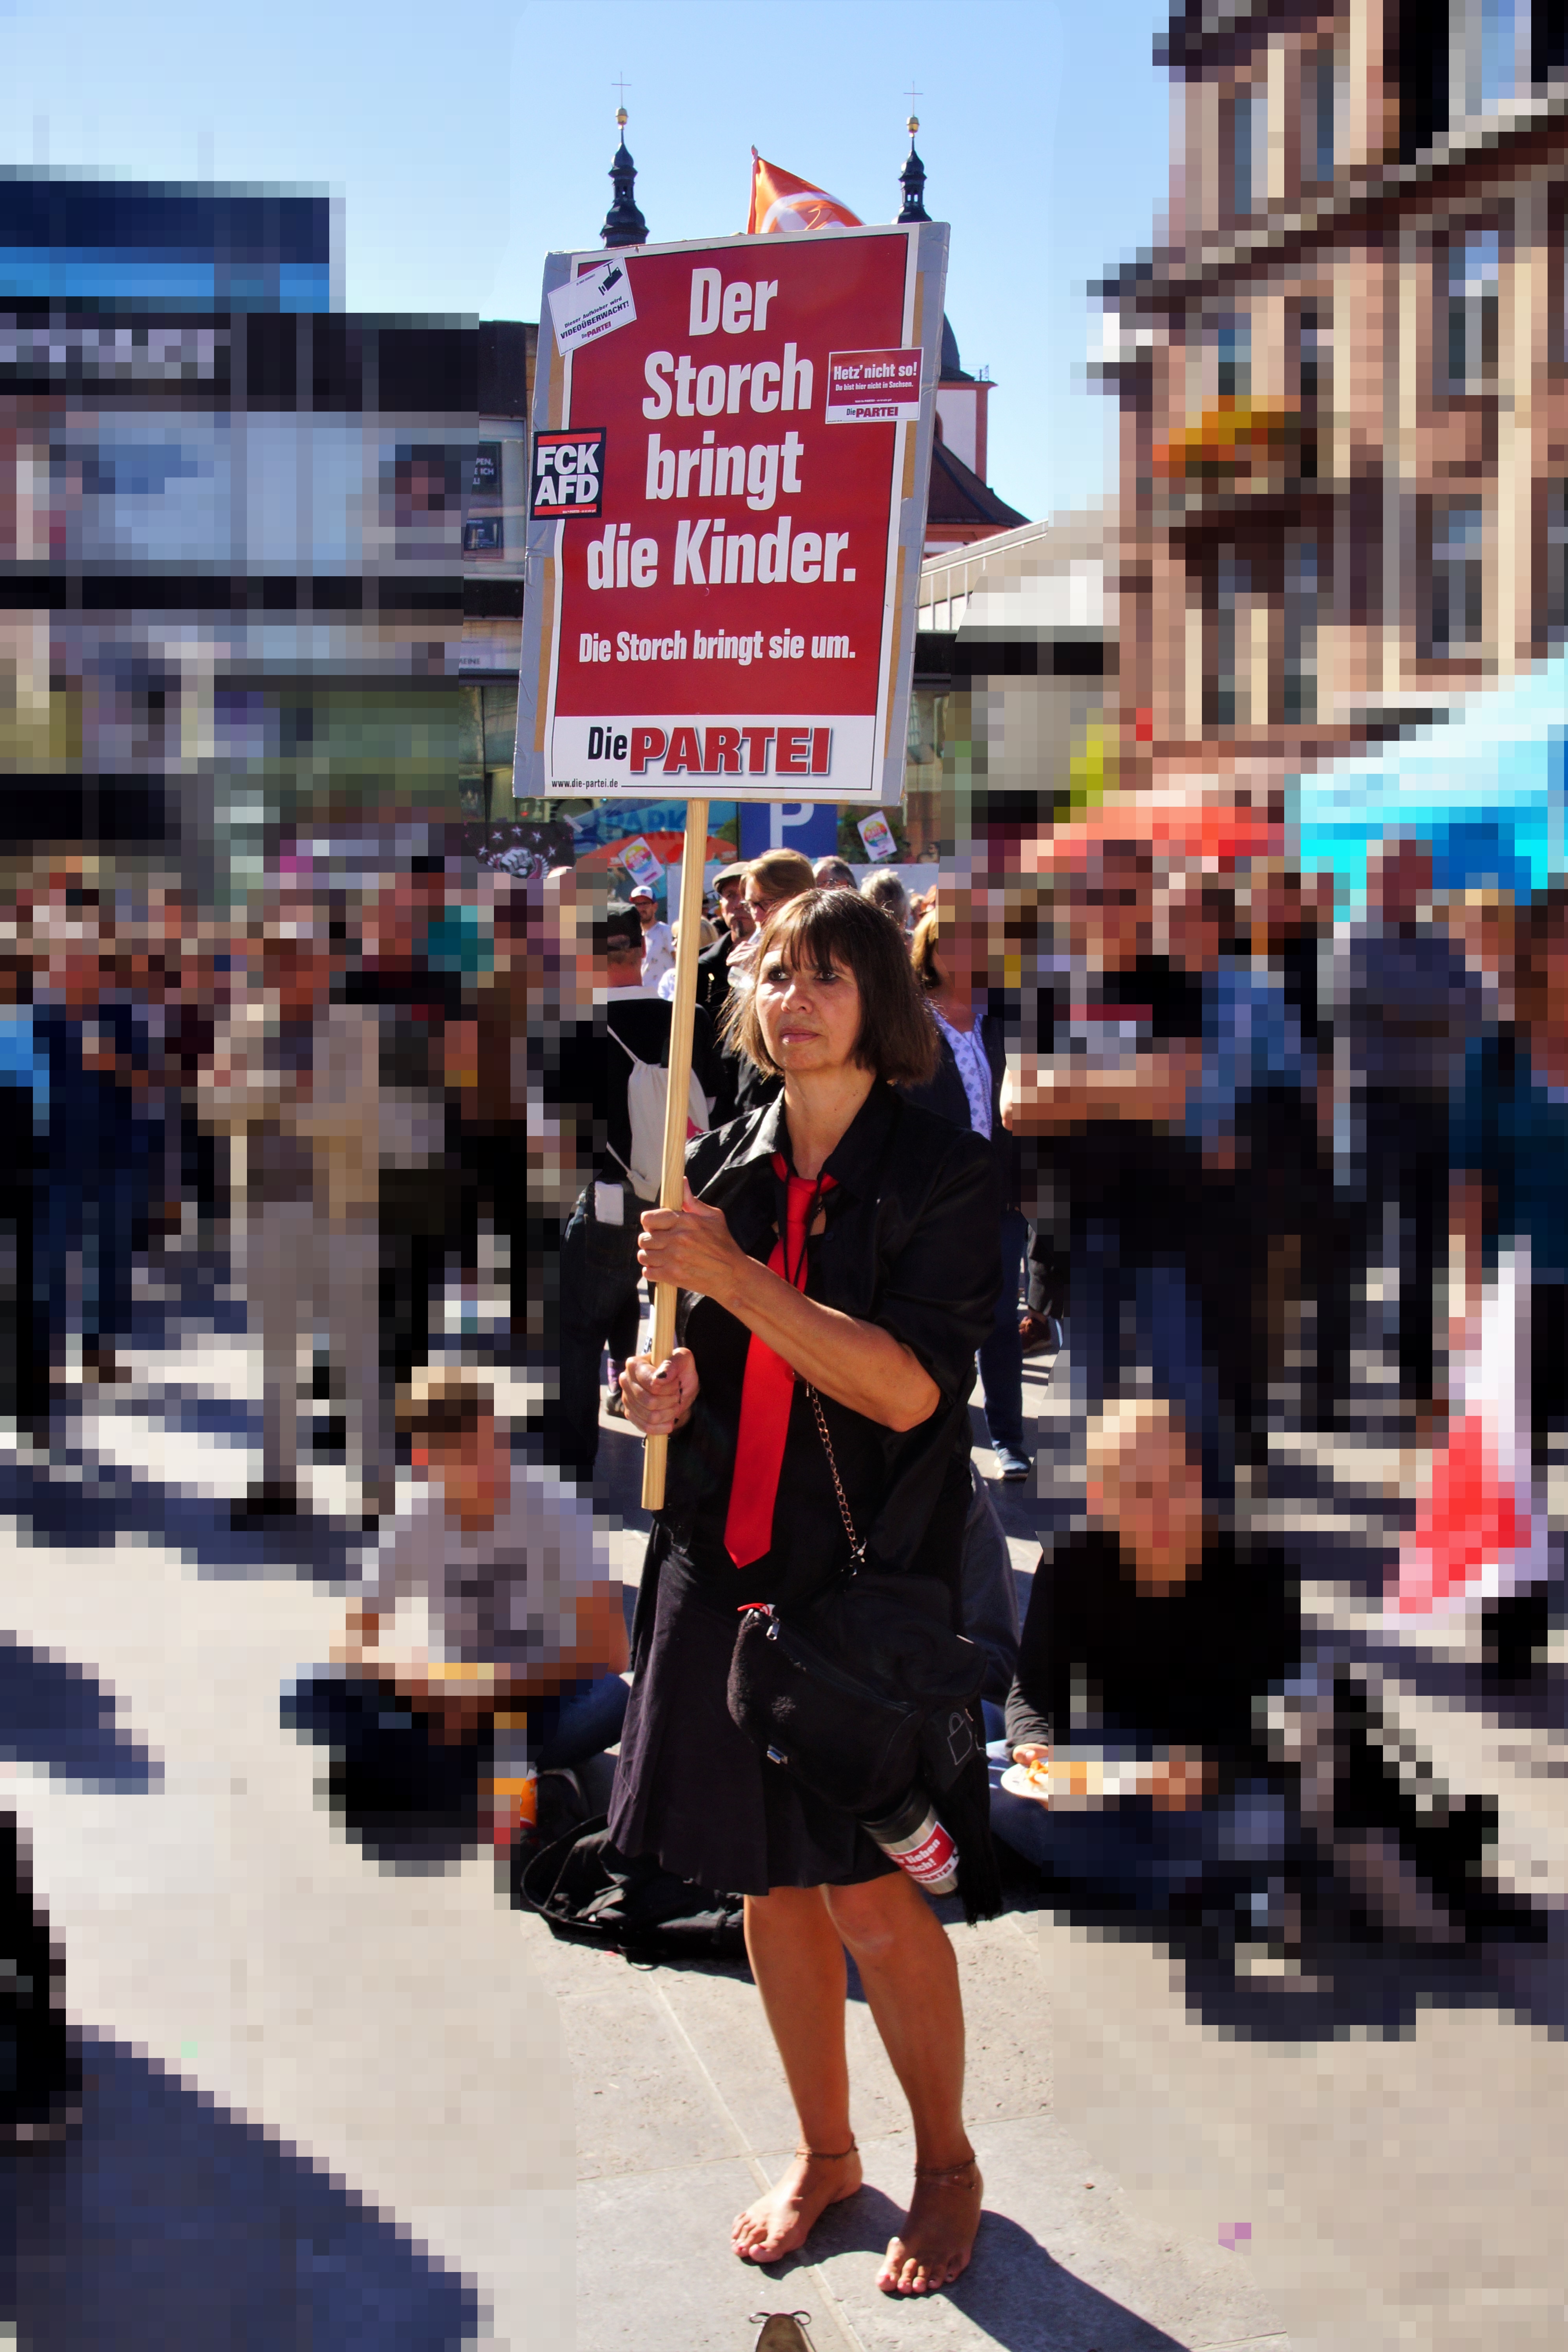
(624, 224)
(961, 505)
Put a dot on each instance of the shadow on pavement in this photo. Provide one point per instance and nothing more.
(59, 1715)
(1541, 1705)
(76, 1499)
(166, 2221)
(1352, 1984)
(1012, 2291)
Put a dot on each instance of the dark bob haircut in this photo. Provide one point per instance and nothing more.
(898, 1038)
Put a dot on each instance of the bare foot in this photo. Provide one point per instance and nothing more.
(786, 2216)
(938, 2237)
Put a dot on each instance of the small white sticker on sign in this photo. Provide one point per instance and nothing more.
(873, 387)
(593, 305)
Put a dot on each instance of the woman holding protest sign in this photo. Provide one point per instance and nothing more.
(838, 1262)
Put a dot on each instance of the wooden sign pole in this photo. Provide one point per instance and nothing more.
(671, 1191)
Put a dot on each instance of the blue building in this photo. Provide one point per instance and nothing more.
(78, 238)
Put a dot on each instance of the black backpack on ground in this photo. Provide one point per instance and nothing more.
(588, 1893)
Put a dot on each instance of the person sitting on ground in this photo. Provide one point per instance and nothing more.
(1152, 1636)
(526, 1633)
(1167, 1653)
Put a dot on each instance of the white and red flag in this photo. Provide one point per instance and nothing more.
(1480, 1533)
(780, 202)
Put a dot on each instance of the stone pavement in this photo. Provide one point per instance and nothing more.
(326, 2104)
(332, 2105)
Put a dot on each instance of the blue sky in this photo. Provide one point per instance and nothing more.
(466, 142)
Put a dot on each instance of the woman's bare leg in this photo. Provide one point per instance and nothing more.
(910, 1981)
(797, 1959)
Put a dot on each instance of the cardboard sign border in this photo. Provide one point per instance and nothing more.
(927, 283)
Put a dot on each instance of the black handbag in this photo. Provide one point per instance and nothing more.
(864, 1690)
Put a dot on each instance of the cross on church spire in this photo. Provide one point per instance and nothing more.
(624, 224)
(912, 178)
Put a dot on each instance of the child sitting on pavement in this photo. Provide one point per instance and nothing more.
(521, 1670)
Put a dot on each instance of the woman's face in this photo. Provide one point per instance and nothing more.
(810, 1020)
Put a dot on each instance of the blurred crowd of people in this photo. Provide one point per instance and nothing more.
(330, 1088)
(1216, 1103)
(1250, 1144)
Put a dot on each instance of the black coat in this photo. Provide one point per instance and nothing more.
(713, 976)
(945, 1095)
(911, 1244)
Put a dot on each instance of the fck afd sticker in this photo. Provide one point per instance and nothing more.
(568, 477)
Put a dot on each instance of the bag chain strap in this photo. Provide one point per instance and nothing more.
(857, 1543)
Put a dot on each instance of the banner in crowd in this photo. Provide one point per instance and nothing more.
(726, 516)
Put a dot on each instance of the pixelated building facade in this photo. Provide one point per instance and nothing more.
(260, 558)
(1343, 382)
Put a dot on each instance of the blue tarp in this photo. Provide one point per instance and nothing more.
(1486, 788)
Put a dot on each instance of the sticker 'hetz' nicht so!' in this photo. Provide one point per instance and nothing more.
(724, 553)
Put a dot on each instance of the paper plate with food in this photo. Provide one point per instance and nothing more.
(1058, 1779)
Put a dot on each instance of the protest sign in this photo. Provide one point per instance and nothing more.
(731, 444)
(728, 516)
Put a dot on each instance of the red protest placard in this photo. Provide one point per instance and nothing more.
(734, 614)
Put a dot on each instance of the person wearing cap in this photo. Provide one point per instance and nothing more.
(736, 926)
(658, 939)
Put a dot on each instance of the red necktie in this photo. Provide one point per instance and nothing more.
(767, 1394)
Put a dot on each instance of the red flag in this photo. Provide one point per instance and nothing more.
(1472, 1522)
(780, 201)
(1481, 1532)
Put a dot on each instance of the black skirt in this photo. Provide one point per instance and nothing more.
(689, 1786)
